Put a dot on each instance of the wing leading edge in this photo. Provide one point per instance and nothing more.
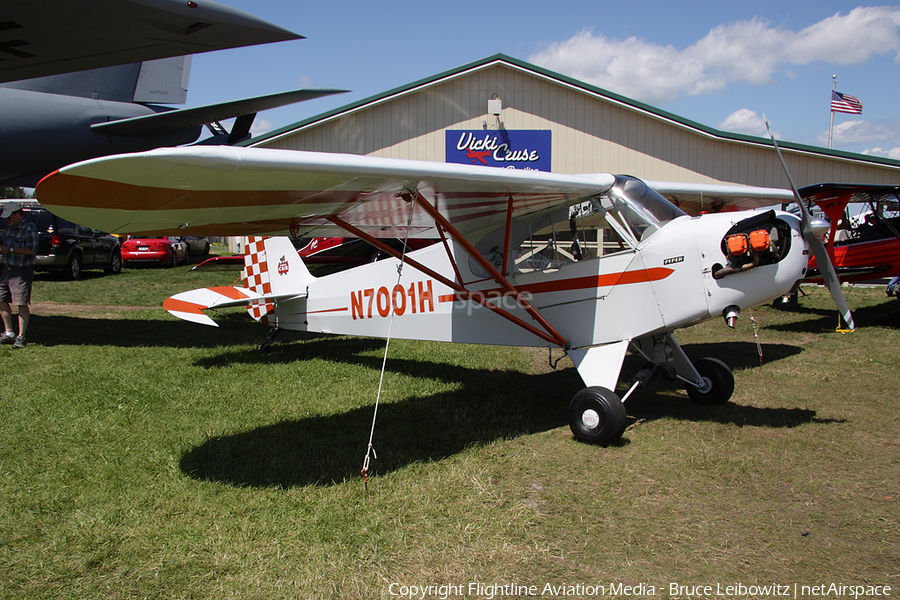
(258, 191)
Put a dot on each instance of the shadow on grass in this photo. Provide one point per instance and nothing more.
(817, 320)
(488, 405)
(322, 450)
(68, 329)
(669, 401)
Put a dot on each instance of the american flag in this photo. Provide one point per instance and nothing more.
(845, 103)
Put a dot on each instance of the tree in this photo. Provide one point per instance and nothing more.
(12, 192)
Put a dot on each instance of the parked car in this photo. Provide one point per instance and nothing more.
(164, 250)
(196, 246)
(69, 248)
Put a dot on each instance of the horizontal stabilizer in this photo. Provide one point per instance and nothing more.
(173, 121)
(190, 305)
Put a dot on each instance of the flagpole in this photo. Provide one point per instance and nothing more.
(831, 127)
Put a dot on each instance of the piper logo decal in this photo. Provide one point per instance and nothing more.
(673, 260)
(283, 266)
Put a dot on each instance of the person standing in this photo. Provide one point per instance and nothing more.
(18, 249)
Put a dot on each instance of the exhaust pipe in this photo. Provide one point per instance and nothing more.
(731, 313)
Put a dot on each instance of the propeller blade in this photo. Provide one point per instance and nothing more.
(815, 243)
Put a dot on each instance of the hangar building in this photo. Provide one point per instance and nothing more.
(506, 112)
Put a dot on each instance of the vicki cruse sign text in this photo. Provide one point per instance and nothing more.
(508, 148)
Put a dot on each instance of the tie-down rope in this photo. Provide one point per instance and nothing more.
(370, 449)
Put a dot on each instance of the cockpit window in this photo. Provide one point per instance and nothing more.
(617, 221)
(640, 207)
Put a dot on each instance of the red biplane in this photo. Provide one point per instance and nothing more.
(864, 248)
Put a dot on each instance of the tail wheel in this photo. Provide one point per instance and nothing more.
(717, 379)
(597, 416)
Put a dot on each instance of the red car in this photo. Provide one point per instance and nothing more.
(164, 250)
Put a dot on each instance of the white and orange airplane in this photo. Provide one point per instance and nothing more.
(597, 265)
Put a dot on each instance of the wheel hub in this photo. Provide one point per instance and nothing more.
(706, 387)
(590, 418)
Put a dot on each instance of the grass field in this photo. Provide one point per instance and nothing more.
(144, 457)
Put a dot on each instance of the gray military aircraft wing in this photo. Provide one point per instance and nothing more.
(173, 121)
(60, 36)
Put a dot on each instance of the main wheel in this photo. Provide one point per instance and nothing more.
(115, 265)
(597, 416)
(73, 268)
(718, 382)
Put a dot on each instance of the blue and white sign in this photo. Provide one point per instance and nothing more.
(512, 149)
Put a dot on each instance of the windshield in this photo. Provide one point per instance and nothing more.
(639, 206)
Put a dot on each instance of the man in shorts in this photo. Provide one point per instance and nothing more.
(18, 248)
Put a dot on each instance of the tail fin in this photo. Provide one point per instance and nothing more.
(272, 267)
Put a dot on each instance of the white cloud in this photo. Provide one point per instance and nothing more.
(632, 67)
(748, 51)
(260, 126)
(861, 132)
(747, 122)
(893, 153)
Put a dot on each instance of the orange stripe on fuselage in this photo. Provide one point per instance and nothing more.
(598, 281)
(581, 283)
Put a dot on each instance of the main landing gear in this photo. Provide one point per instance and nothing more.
(597, 415)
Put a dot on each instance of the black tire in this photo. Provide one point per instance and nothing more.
(720, 380)
(174, 262)
(115, 265)
(187, 254)
(597, 416)
(73, 267)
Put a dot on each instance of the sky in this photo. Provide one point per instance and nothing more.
(721, 64)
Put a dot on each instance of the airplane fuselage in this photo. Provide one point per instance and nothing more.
(41, 132)
(664, 284)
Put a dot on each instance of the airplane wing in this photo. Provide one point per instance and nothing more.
(257, 191)
(185, 118)
(695, 198)
(60, 36)
(224, 190)
(833, 198)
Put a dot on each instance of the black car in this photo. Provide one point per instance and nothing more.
(70, 248)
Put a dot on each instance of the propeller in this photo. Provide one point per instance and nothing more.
(826, 269)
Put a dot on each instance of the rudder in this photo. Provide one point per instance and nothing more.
(272, 267)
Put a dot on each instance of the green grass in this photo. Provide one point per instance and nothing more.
(144, 457)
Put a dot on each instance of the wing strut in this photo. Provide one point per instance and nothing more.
(548, 334)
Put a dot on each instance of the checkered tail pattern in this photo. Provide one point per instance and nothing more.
(256, 277)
